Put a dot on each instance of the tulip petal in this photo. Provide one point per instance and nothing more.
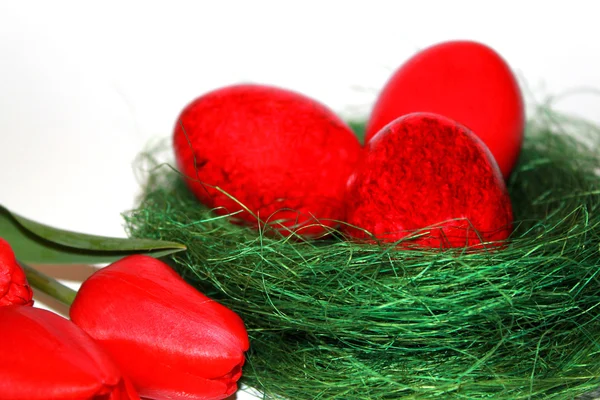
(14, 288)
(171, 340)
(124, 391)
(45, 356)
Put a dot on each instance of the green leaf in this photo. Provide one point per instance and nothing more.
(37, 243)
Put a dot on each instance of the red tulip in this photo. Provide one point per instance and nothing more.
(45, 356)
(171, 340)
(14, 288)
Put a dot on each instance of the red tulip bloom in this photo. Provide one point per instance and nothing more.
(45, 356)
(14, 288)
(171, 340)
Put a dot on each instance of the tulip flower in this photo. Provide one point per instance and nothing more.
(45, 356)
(14, 288)
(171, 340)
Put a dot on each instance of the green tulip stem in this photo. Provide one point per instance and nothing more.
(48, 285)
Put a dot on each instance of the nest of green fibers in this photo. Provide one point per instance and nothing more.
(332, 319)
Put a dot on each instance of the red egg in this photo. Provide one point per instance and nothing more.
(428, 177)
(269, 154)
(465, 81)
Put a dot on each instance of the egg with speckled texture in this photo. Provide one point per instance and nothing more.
(429, 180)
(270, 156)
(463, 80)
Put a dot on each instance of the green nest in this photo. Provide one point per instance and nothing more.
(331, 319)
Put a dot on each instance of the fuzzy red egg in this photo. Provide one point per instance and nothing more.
(267, 154)
(463, 80)
(429, 179)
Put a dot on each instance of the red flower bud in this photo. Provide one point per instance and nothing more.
(45, 356)
(14, 288)
(171, 340)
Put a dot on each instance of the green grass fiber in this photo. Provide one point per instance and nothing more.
(331, 319)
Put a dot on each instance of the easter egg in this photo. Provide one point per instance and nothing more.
(465, 81)
(268, 156)
(430, 180)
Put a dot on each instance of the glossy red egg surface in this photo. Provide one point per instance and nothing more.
(275, 154)
(427, 171)
(465, 81)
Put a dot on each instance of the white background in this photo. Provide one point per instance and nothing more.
(84, 86)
